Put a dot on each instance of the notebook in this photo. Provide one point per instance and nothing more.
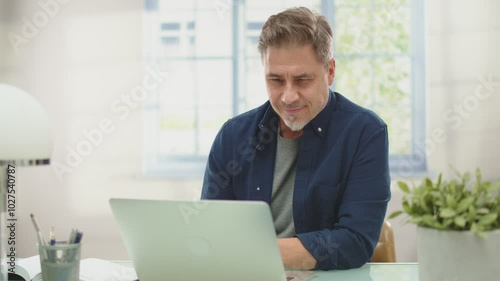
(201, 240)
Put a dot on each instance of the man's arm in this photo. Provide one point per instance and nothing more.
(295, 255)
(350, 241)
(217, 182)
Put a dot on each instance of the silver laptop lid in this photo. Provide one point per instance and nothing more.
(200, 240)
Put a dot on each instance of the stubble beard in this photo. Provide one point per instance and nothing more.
(294, 125)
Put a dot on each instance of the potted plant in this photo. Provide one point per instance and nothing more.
(458, 227)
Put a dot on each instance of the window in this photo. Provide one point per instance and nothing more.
(209, 48)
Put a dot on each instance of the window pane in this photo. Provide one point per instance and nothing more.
(393, 2)
(372, 49)
(193, 105)
(353, 80)
(196, 98)
(255, 86)
(273, 7)
(391, 29)
(351, 3)
(194, 40)
(352, 30)
(392, 84)
(399, 126)
(187, 34)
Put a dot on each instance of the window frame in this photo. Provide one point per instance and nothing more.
(156, 165)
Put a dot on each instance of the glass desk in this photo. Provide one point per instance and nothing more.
(368, 272)
(373, 272)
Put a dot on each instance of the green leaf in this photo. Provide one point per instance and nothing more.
(407, 208)
(464, 204)
(474, 228)
(438, 225)
(478, 176)
(487, 219)
(417, 220)
(472, 212)
(483, 211)
(428, 183)
(450, 201)
(447, 213)
(466, 178)
(404, 187)
(395, 214)
(447, 222)
(482, 234)
(438, 185)
(460, 221)
(452, 186)
(428, 219)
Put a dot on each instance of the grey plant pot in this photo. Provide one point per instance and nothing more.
(457, 255)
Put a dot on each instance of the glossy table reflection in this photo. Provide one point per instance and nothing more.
(373, 272)
(368, 272)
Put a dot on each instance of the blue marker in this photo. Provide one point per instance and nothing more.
(78, 237)
(52, 241)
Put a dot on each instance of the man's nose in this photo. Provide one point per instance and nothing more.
(290, 94)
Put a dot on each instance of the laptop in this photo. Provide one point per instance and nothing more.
(201, 240)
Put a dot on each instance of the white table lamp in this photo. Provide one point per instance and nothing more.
(25, 140)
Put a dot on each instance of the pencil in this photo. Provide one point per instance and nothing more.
(41, 240)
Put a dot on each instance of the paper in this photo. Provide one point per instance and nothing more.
(91, 269)
(100, 270)
(299, 275)
(31, 265)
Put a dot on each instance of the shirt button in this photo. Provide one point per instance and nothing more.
(261, 126)
(319, 129)
(258, 188)
(260, 147)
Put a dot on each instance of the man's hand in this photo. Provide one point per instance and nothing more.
(294, 255)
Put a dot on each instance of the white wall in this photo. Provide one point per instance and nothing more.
(463, 39)
(89, 54)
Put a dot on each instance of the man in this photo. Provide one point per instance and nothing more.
(319, 160)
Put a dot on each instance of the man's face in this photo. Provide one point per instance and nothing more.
(297, 84)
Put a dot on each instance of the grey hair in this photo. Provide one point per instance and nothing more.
(297, 27)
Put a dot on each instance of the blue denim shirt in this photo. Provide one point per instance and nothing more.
(342, 183)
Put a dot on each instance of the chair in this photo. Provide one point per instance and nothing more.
(385, 250)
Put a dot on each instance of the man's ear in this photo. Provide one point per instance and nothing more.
(331, 71)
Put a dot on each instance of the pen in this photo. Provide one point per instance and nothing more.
(72, 236)
(52, 236)
(39, 233)
(78, 237)
(41, 241)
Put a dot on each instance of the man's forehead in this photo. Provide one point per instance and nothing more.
(298, 59)
(289, 69)
(297, 74)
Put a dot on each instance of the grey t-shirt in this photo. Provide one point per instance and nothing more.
(283, 185)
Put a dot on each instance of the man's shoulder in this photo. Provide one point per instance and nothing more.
(247, 122)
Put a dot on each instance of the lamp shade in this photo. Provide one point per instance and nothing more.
(25, 136)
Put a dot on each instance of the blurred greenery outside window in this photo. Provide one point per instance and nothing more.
(209, 50)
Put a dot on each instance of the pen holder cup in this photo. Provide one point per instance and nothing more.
(60, 262)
